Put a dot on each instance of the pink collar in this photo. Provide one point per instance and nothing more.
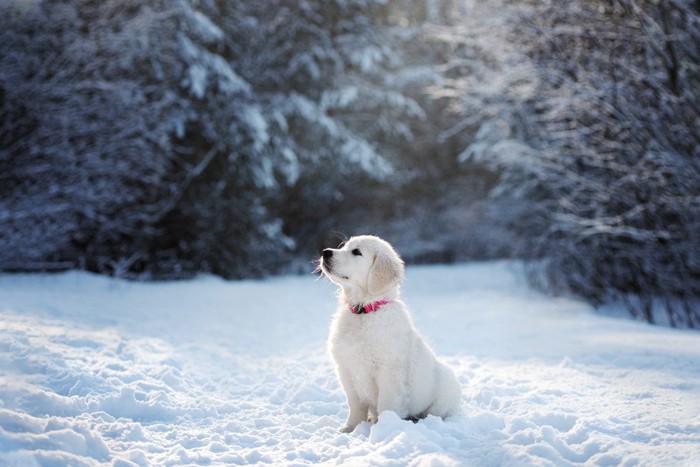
(370, 307)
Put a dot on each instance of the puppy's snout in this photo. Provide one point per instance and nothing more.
(327, 254)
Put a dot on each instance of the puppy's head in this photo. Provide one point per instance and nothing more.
(364, 266)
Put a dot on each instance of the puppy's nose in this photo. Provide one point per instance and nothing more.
(327, 253)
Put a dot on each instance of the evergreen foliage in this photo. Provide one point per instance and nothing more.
(158, 138)
(594, 132)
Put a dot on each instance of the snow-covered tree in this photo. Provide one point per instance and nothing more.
(171, 137)
(131, 145)
(588, 112)
(334, 87)
(625, 181)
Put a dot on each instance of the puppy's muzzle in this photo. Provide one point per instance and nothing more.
(327, 255)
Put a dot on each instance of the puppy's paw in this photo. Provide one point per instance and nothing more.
(347, 429)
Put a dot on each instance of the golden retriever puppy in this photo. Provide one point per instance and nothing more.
(381, 360)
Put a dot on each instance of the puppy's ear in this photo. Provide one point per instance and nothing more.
(386, 271)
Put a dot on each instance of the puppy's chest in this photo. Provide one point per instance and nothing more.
(362, 340)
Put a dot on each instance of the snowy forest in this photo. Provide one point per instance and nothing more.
(155, 139)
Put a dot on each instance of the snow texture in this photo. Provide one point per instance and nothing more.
(97, 371)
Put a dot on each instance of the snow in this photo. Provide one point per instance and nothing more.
(204, 65)
(198, 80)
(101, 371)
(256, 121)
(205, 28)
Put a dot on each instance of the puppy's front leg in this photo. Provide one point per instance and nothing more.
(372, 416)
(358, 413)
(358, 410)
(391, 393)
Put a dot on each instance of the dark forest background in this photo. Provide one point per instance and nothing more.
(158, 139)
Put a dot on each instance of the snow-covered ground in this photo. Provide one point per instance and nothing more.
(95, 370)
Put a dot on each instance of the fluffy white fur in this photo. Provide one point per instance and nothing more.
(381, 360)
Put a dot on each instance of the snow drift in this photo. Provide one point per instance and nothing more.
(98, 371)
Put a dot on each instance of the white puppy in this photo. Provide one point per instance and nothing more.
(381, 360)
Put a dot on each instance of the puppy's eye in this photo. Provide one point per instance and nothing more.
(356, 252)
